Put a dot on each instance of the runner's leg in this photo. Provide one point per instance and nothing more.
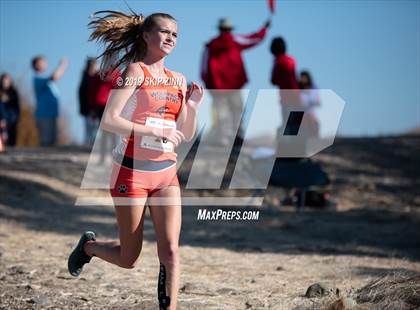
(167, 223)
(126, 252)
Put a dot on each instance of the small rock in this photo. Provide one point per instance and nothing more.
(32, 272)
(64, 277)
(16, 270)
(184, 287)
(279, 268)
(34, 286)
(38, 300)
(224, 291)
(343, 303)
(254, 304)
(317, 290)
(126, 297)
(190, 287)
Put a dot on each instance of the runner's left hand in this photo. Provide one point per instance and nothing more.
(194, 96)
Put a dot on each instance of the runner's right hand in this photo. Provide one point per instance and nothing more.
(170, 134)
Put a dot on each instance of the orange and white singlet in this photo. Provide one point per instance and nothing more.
(153, 104)
(144, 164)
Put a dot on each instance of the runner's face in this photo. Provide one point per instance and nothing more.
(162, 39)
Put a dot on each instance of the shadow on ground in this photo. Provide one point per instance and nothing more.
(364, 231)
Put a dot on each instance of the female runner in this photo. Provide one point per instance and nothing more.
(154, 112)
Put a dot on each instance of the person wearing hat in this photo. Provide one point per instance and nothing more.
(224, 74)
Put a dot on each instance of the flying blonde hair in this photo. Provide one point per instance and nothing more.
(122, 36)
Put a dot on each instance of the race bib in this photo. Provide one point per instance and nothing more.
(154, 143)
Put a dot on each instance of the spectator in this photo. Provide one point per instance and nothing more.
(3, 129)
(10, 99)
(311, 102)
(284, 76)
(47, 100)
(99, 91)
(86, 106)
(224, 74)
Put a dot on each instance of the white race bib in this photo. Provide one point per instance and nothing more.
(154, 143)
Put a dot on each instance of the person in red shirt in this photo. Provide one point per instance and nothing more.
(284, 76)
(99, 90)
(224, 74)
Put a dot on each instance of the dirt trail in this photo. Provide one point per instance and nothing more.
(264, 264)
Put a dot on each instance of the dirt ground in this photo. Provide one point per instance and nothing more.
(264, 264)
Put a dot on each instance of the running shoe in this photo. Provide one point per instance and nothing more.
(78, 256)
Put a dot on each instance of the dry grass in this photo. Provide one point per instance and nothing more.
(397, 291)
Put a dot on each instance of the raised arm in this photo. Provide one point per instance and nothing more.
(59, 71)
(250, 40)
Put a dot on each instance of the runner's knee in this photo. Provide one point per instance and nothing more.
(169, 254)
(129, 253)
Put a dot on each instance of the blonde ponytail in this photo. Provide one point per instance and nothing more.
(120, 34)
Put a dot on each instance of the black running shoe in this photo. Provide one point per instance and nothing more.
(78, 256)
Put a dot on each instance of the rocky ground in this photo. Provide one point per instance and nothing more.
(264, 264)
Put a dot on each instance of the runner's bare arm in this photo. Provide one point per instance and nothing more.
(112, 120)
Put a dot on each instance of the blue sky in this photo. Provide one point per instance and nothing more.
(365, 51)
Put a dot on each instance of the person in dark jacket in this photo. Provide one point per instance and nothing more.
(3, 128)
(86, 106)
(223, 73)
(10, 100)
